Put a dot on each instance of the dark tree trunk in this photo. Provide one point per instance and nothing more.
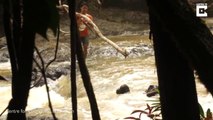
(73, 29)
(1, 20)
(176, 80)
(20, 44)
(192, 36)
(76, 50)
(181, 42)
(21, 84)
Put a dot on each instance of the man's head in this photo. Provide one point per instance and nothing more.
(84, 8)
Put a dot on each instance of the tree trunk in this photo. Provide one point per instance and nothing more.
(77, 50)
(1, 21)
(175, 76)
(181, 42)
(193, 38)
(21, 46)
(73, 39)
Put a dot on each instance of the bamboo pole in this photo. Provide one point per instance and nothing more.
(94, 27)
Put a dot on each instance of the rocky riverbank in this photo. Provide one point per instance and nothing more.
(112, 22)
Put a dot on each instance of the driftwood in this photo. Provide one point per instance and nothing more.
(95, 29)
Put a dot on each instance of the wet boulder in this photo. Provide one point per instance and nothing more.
(4, 55)
(55, 72)
(123, 89)
(152, 91)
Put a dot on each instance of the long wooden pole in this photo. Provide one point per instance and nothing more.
(94, 27)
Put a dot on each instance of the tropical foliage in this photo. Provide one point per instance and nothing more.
(153, 111)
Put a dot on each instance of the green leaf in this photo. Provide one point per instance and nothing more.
(41, 15)
(156, 109)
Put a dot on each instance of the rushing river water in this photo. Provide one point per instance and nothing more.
(108, 70)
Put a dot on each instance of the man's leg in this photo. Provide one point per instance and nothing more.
(85, 42)
(85, 50)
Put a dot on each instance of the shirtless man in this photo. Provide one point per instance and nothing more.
(83, 28)
(82, 24)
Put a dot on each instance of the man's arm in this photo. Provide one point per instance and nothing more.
(64, 8)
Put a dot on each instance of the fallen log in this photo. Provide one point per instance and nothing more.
(95, 29)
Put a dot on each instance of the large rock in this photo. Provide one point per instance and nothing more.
(4, 55)
(123, 89)
(55, 72)
(152, 91)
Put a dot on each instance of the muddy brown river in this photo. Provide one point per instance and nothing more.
(109, 70)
